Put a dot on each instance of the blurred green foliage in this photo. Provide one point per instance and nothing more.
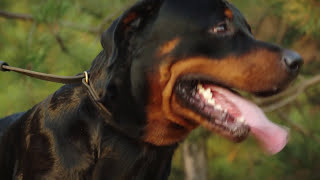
(64, 38)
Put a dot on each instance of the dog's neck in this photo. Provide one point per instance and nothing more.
(149, 162)
(152, 161)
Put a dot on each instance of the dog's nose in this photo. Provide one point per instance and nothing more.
(292, 60)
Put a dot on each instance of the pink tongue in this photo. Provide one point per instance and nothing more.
(272, 137)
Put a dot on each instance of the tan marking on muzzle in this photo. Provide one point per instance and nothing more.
(259, 70)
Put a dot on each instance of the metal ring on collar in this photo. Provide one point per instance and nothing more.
(86, 75)
(2, 63)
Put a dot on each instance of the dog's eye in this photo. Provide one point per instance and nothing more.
(220, 28)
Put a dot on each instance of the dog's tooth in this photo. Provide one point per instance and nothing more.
(206, 91)
(212, 101)
(207, 94)
(218, 107)
(241, 119)
(200, 89)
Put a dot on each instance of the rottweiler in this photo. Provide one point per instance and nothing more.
(166, 67)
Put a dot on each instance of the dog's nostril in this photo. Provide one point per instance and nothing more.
(292, 60)
(291, 64)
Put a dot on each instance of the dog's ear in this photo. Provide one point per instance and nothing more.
(117, 38)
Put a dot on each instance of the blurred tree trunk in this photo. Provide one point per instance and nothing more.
(195, 156)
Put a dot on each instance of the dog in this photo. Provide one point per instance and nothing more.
(167, 67)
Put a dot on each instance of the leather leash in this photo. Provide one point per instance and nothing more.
(83, 78)
(46, 77)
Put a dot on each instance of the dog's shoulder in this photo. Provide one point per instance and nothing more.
(54, 135)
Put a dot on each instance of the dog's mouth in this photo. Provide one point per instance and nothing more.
(229, 114)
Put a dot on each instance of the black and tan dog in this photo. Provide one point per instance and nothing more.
(167, 66)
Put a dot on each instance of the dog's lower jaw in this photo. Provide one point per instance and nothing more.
(165, 133)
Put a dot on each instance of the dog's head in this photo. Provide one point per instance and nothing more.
(171, 65)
